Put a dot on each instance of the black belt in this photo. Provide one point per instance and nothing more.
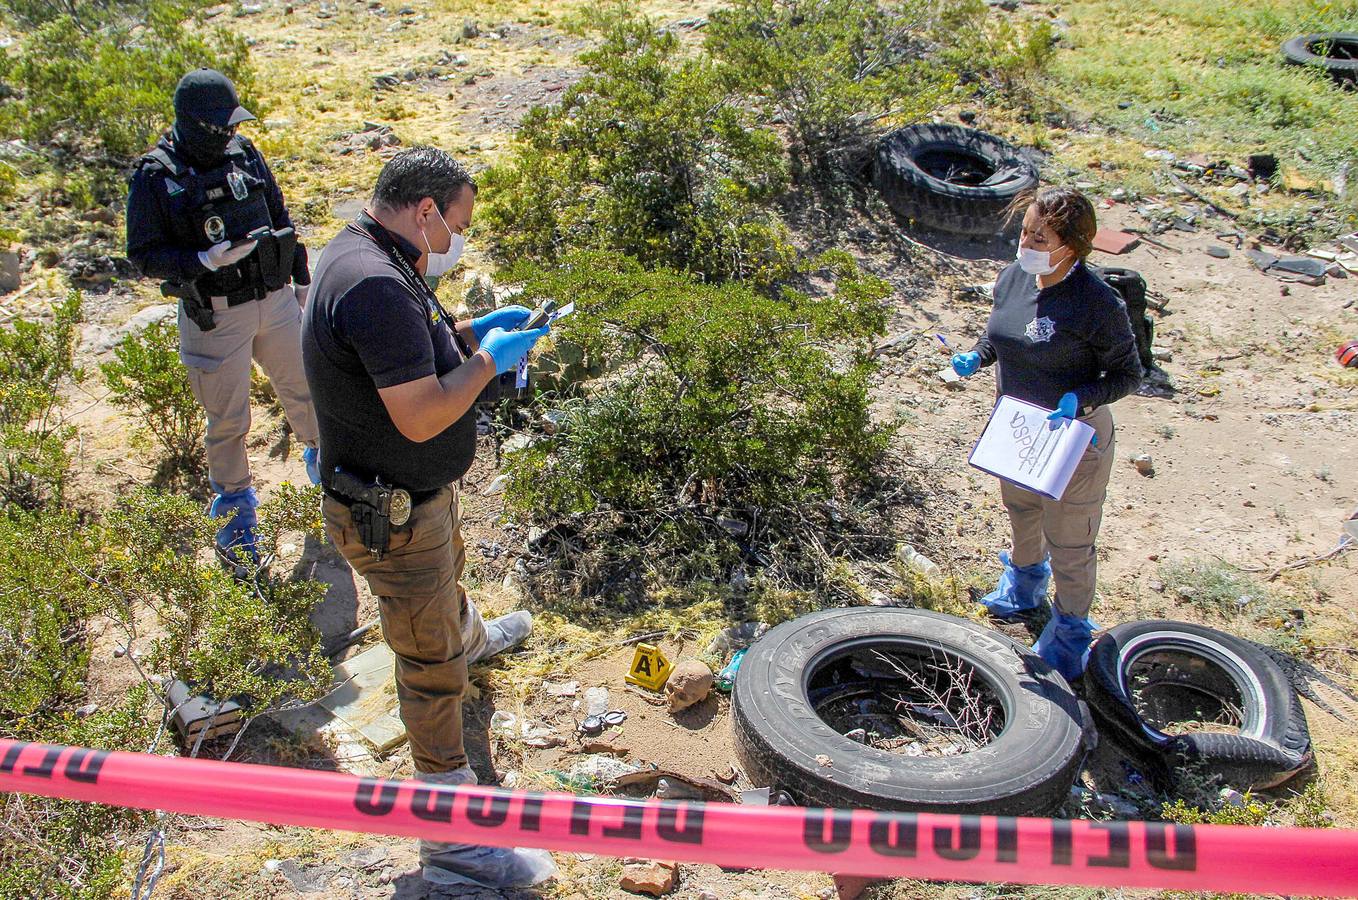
(244, 295)
(416, 497)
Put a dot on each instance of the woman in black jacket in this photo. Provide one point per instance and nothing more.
(1062, 340)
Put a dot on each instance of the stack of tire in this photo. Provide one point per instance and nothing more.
(1029, 767)
(951, 178)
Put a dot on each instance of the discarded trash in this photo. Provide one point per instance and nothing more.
(737, 637)
(733, 527)
(915, 561)
(504, 723)
(1144, 464)
(562, 688)
(672, 789)
(497, 485)
(726, 678)
(1115, 242)
(596, 701)
(599, 768)
(650, 668)
(1351, 525)
(193, 714)
(1347, 355)
(592, 725)
(756, 797)
(688, 685)
(1301, 265)
(507, 725)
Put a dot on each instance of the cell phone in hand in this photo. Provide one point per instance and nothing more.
(255, 235)
(539, 316)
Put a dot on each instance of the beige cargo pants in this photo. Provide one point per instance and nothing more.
(219, 364)
(427, 619)
(1067, 528)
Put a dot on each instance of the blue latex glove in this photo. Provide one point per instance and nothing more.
(1067, 408)
(236, 539)
(508, 347)
(311, 456)
(506, 317)
(966, 364)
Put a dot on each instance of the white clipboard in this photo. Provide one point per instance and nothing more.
(1023, 447)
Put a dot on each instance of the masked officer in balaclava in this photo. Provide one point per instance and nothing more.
(205, 215)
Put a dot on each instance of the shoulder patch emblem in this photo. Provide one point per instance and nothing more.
(173, 187)
(1041, 329)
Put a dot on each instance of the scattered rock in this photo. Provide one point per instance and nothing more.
(645, 876)
(470, 30)
(11, 268)
(851, 887)
(1157, 586)
(689, 683)
(1161, 355)
(367, 858)
(1144, 464)
(951, 378)
(729, 776)
(87, 710)
(824, 761)
(1218, 252)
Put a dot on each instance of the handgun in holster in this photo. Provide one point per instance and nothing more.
(370, 506)
(197, 307)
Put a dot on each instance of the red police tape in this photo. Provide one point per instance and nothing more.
(888, 845)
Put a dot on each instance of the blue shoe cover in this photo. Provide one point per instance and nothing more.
(1021, 588)
(1064, 644)
(312, 457)
(237, 536)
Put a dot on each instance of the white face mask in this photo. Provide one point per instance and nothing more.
(1035, 262)
(436, 264)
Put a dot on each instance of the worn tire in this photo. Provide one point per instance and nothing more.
(1300, 51)
(1026, 770)
(1273, 744)
(906, 172)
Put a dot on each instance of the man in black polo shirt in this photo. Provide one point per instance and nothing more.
(394, 380)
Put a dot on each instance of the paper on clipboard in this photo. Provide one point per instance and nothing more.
(1021, 446)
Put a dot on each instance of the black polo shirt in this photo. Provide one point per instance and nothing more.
(366, 327)
(1071, 337)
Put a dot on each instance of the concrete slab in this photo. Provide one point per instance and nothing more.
(366, 700)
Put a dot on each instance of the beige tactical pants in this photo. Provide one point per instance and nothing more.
(427, 619)
(219, 364)
(1067, 528)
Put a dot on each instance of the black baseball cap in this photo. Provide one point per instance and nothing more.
(209, 96)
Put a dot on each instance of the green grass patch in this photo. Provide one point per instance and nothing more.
(1209, 77)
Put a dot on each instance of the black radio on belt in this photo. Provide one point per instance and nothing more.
(377, 509)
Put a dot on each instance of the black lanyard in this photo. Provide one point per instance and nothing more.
(382, 237)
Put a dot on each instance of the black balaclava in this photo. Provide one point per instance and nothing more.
(206, 111)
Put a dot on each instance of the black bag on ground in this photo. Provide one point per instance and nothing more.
(1132, 288)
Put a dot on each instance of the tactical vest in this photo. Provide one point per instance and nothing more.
(225, 203)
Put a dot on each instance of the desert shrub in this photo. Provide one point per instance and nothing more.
(140, 564)
(224, 637)
(36, 357)
(147, 378)
(1001, 54)
(648, 156)
(836, 73)
(106, 72)
(734, 418)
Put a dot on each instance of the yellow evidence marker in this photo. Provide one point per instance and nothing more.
(650, 668)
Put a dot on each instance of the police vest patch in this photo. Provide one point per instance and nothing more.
(173, 188)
